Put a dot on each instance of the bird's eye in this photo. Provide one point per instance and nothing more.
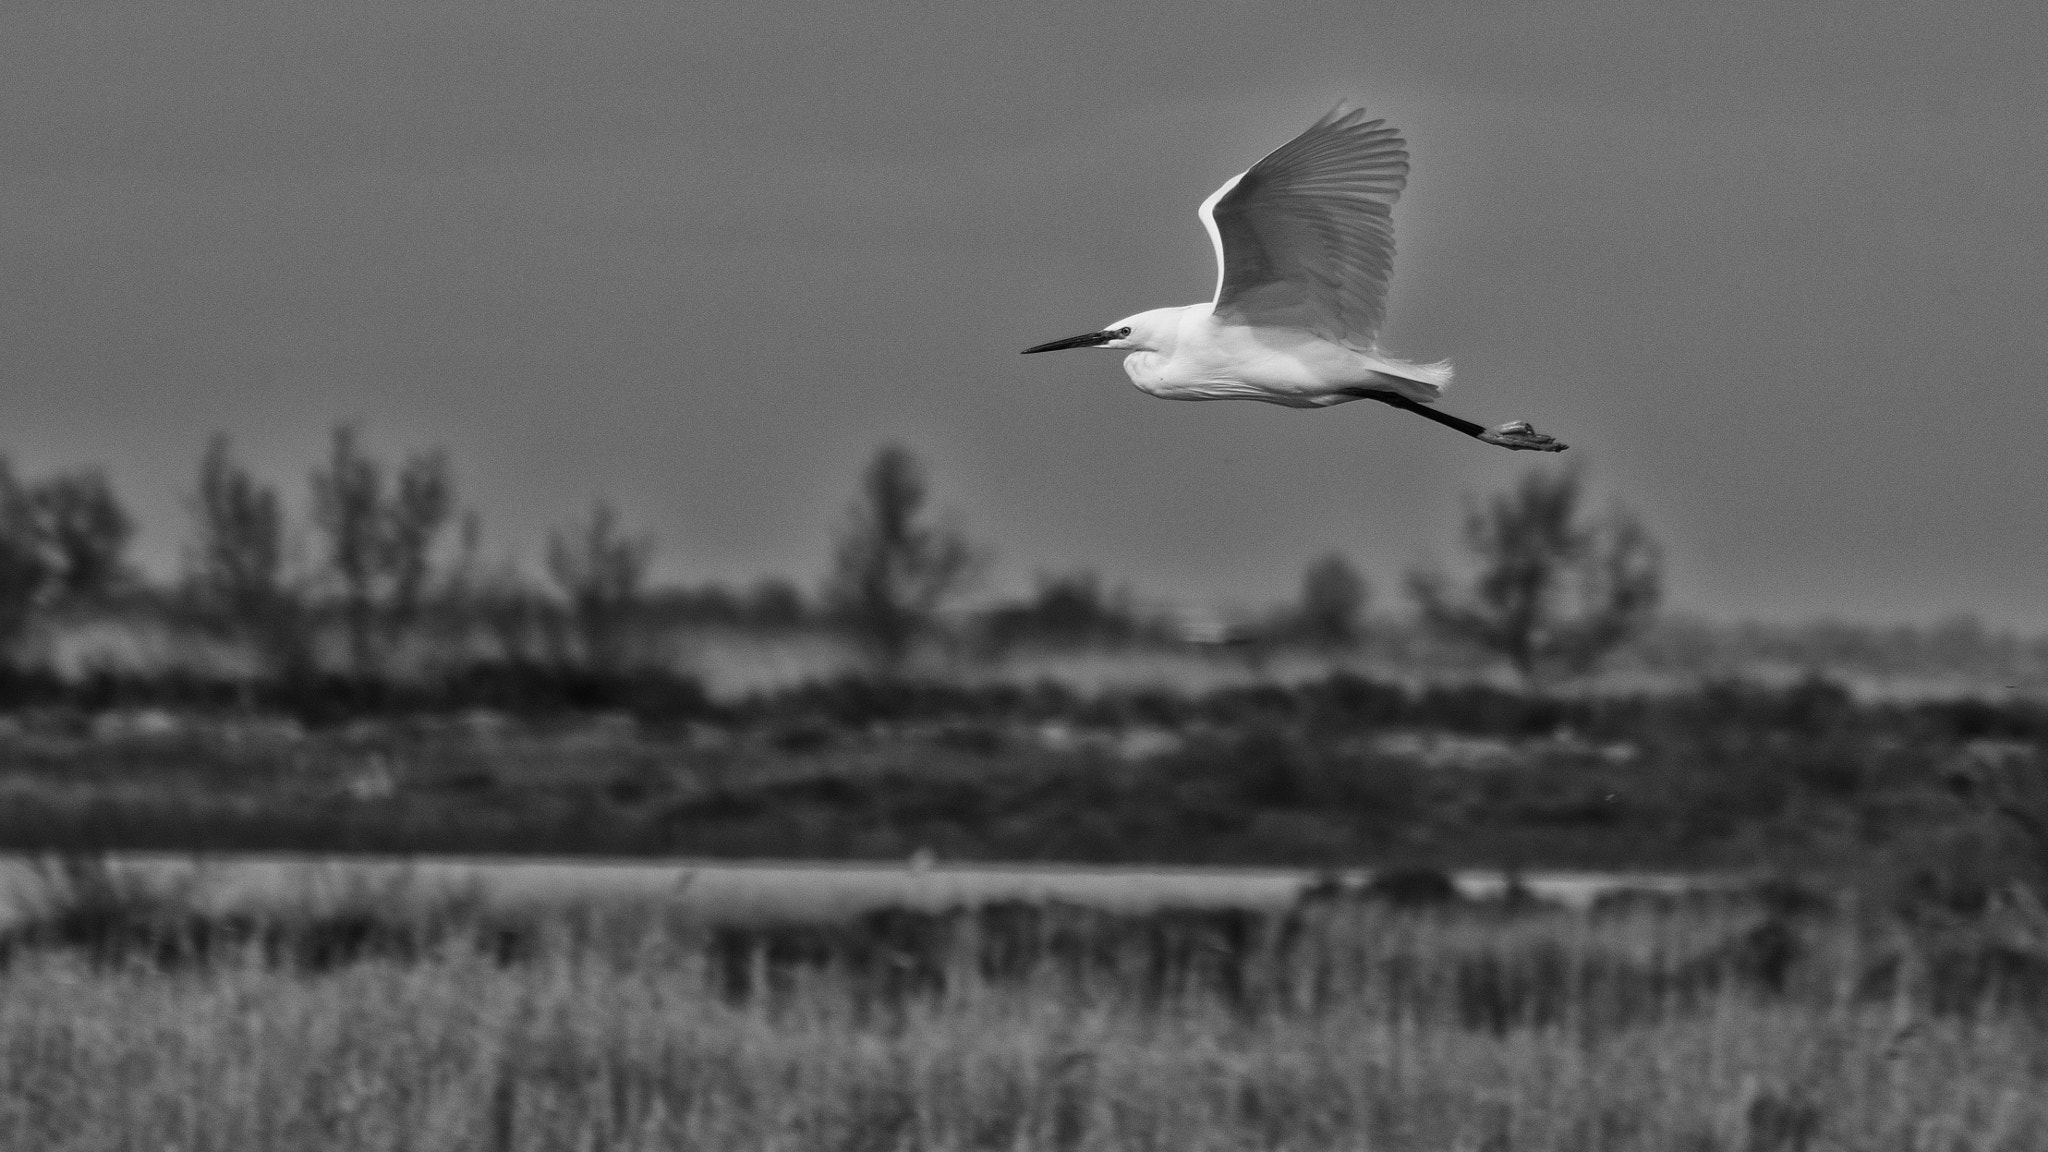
(1122, 332)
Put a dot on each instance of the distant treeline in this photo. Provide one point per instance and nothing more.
(379, 574)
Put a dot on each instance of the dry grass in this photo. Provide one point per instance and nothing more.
(1363, 1037)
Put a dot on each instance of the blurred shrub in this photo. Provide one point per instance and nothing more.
(1551, 593)
(1069, 610)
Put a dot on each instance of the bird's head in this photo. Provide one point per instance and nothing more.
(1145, 332)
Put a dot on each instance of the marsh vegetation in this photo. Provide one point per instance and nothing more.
(397, 696)
(1768, 1022)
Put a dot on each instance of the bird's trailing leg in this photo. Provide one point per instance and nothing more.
(1515, 434)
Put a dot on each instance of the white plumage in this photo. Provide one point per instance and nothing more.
(1304, 244)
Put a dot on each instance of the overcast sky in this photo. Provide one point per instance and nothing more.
(1774, 270)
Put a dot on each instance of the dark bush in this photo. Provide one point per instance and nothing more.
(1413, 887)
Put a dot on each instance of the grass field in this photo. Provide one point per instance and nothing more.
(1912, 1015)
(1347, 1025)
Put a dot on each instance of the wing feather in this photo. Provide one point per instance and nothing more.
(1305, 237)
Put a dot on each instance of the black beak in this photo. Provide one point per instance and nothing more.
(1090, 340)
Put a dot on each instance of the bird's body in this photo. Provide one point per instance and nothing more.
(1190, 355)
(1304, 244)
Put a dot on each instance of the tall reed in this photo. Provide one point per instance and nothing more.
(1693, 1028)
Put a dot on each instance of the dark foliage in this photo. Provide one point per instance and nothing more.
(1413, 887)
(1343, 771)
(1069, 610)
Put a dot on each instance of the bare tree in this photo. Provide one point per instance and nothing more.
(237, 564)
(348, 504)
(893, 570)
(380, 547)
(601, 571)
(83, 531)
(1551, 590)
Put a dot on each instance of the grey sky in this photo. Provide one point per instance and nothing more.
(1774, 270)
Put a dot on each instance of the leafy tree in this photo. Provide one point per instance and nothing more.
(381, 545)
(1333, 600)
(893, 570)
(83, 531)
(61, 538)
(602, 572)
(24, 570)
(1551, 590)
(237, 564)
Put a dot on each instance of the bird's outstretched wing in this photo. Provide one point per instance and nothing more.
(1305, 237)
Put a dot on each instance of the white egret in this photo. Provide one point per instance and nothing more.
(1304, 245)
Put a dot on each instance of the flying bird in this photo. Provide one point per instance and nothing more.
(1304, 245)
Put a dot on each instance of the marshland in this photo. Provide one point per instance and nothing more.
(1773, 1018)
(541, 609)
(398, 857)
(1870, 971)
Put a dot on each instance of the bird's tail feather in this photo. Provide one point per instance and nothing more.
(1424, 383)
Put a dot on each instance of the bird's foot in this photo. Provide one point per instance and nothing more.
(1517, 434)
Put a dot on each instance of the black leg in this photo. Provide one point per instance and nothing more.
(1516, 434)
(1428, 413)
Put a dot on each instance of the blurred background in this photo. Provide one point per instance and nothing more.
(1769, 270)
(398, 392)
(529, 558)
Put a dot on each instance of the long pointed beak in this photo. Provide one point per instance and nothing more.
(1089, 340)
